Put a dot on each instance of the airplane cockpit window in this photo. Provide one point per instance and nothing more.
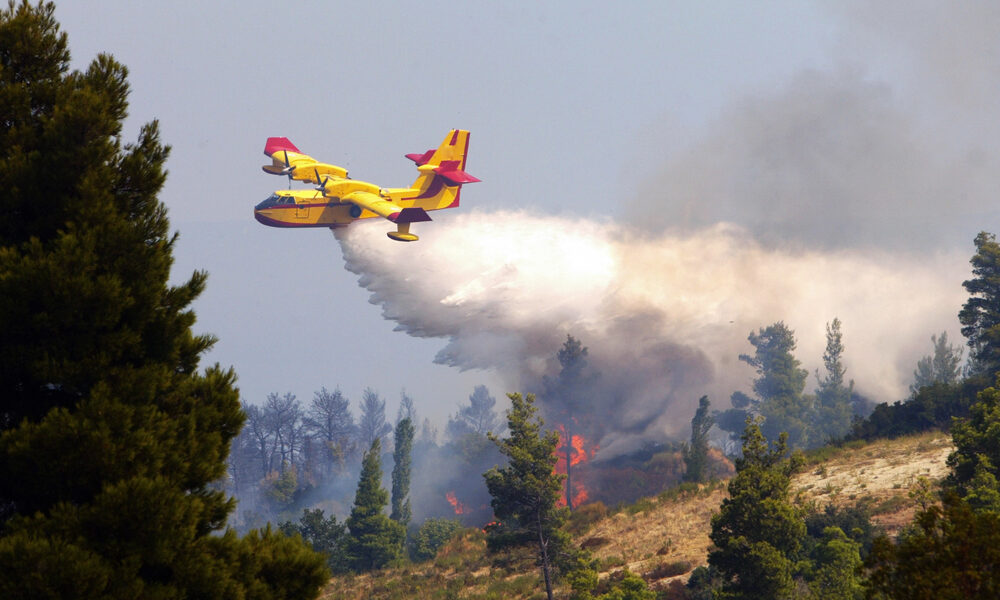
(273, 200)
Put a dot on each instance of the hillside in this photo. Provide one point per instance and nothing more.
(664, 538)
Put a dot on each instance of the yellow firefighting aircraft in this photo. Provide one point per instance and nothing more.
(339, 200)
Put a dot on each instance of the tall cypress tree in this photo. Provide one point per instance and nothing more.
(110, 437)
(402, 460)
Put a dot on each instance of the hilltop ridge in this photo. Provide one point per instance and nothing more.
(664, 538)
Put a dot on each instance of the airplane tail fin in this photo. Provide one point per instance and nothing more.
(442, 171)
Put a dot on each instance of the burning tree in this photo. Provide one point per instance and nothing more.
(525, 491)
(569, 398)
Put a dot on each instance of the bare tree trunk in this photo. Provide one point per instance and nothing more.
(543, 553)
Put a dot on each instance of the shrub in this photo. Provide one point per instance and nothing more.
(433, 534)
(585, 516)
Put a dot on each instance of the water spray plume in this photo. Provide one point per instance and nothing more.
(664, 316)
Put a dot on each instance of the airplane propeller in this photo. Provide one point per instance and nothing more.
(322, 182)
(288, 169)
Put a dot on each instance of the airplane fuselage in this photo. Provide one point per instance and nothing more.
(310, 208)
(339, 200)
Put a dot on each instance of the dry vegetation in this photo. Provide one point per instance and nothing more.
(665, 537)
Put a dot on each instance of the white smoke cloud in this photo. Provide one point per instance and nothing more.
(664, 316)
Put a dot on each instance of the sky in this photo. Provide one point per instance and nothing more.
(804, 134)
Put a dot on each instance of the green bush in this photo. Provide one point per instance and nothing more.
(433, 534)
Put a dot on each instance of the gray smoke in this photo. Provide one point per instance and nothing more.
(664, 316)
(839, 194)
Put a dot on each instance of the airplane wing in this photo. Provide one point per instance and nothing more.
(384, 208)
(286, 159)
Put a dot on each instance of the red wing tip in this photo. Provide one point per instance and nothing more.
(277, 144)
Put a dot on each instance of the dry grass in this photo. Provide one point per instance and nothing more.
(673, 531)
(882, 473)
(664, 538)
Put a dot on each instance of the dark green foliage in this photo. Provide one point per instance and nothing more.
(526, 490)
(696, 453)
(980, 316)
(433, 534)
(401, 456)
(626, 585)
(952, 552)
(778, 388)
(619, 585)
(704, 583)
(854, 521)
(324, 535)
(111, 439)
(944, 366)
(757, 532)
(375, 539)
(933, 407)
(977, 453)
(832, 416)
(834, 572)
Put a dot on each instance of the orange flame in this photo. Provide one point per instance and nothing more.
(578, 453)
(460, 509)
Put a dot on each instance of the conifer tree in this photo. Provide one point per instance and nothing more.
(696, 452)
(375, 539)
(976, 458)
(110, 437)
(526, 490)
(402, 460)
(832, 417)
(944, 366)
(778, 387)
(838, 559)
(757, 532)
(980, 316)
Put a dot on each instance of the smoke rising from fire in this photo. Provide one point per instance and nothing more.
(851, 192)
(664, 316)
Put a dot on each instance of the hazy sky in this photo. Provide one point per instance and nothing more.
(811, 124)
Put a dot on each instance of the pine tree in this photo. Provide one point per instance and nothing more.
(375, 539)
(778, 386)
(478, 418)
(402, 460)
(526, 490)
(980, 316)
(371, 424)
(976, 458)
(833, 398)
(950, 552)
(757, 532)
(696, 453)
(838, 559)
(944, 366)
(110, 437)
(569, 393)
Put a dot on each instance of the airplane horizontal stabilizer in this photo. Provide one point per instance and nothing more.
(411, 215)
